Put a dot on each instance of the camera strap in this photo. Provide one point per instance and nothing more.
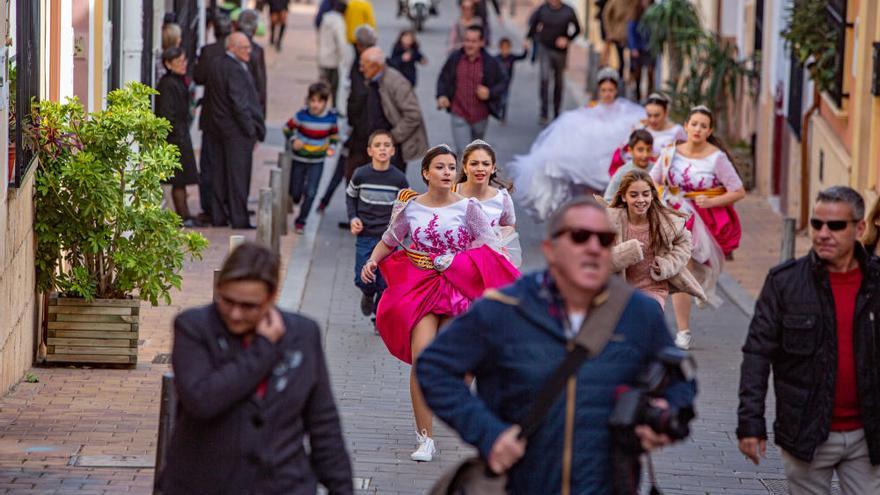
(592, 337)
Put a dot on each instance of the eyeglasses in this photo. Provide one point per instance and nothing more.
(580, 236)
(833, 225)
(246, 307)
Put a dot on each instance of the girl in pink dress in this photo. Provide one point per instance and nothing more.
(449, 262)
(479, 180)
(698, 178)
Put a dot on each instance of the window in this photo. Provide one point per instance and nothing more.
(27, 58)
(836, 10)
(795, 95)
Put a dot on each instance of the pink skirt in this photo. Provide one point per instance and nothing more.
(414, 292)
(723, 223)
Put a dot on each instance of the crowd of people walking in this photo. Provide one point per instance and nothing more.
(638, 210)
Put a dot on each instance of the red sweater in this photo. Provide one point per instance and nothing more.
(846, 415)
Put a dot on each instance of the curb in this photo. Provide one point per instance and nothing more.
(737, 295)
(300, 262)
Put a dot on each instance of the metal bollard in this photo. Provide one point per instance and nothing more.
(167, 414)
(235, 241)
(214, 286)
(264, 218)
(786, 251)
(285, 162)
(279, 216)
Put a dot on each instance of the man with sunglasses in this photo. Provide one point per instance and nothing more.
(513, 339)
(814, 328)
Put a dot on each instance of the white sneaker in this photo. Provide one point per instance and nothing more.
(427, 449)
(683, 339)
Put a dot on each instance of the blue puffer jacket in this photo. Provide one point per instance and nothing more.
(512, 345)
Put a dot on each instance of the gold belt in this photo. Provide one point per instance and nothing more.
(709, 193)
(421, 260)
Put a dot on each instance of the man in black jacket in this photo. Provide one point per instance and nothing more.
(247, 24)
(208, 55)
(814, 327)
(236, 119)
(552, 26)
(471, 87)
(252, 383)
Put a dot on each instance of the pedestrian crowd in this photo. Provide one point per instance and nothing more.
(561, 378)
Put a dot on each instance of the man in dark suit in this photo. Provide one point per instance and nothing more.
(247, 24)
(208, 56)
(237, 120)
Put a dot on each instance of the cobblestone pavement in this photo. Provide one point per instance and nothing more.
(52, 430)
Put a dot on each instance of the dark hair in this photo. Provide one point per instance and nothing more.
(484, 146)
(252, 262)
(712, 139)
(477, 29)
(434, 152)
(556, 217)
(658, 99)
(171, 54)
(222, 25)
(844, 194)
(640, 136)
(380, 132)
(503, 41)
(399, 43)
(657, 212)
(319, 89)
(339, 6)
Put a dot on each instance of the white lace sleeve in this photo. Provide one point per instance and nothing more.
(508, 215)
(398, 227)
(479, 226)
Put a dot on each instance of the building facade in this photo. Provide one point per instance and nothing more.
(58, 49)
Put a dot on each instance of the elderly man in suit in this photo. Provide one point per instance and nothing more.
(247, 24)
(236, 118)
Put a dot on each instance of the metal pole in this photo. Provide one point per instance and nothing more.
(285, 162)
(788, 240)
(235, 241)
(167, 413)
(264, 218)
(279, 216)
(214, 286)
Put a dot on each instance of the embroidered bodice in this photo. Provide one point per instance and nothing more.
(499, 209)
(662, 139)
(438, 231)
(696, 174)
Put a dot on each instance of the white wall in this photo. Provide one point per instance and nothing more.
(132, 41)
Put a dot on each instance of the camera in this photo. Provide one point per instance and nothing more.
(635, 406)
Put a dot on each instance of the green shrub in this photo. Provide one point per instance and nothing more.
(100, 226)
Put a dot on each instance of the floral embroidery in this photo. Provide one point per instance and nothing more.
(464, 239)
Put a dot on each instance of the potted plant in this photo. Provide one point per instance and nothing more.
(103, 240)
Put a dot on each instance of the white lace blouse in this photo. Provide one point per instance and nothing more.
(499, 209)
(439, 231)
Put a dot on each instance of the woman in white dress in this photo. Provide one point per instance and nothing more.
(572, 154)
(479, 180)
(663, 130)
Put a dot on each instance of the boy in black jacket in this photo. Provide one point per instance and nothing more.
(369, 198)
(508, 60)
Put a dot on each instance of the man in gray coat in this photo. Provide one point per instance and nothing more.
(392, 105)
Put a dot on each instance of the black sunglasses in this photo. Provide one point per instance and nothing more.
(833, 225)
(580, 236)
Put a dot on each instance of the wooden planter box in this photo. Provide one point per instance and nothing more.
(104, 331)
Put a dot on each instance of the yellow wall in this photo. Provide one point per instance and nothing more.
(17, 294)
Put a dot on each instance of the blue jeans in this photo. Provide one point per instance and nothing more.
(364, 246)
(304, 179)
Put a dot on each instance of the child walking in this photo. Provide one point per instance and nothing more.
(508, 60)
(406, 54)
(311, 133)
(639, 148)
(369, 198)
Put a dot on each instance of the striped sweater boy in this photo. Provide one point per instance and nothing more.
(317, 132)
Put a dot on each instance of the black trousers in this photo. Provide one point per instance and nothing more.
(232, 181)
(207, 159)
(551, 65)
